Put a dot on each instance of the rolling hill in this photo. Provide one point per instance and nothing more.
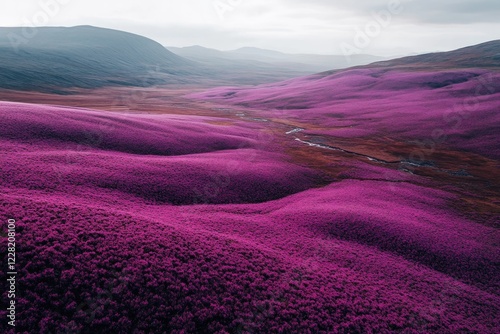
(86, 57)
(133, 223)
(485, 55)
(362, 200)
(57, 59)
(453, 94)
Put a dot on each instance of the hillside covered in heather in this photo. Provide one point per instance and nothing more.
(450, 107)
(363, 200)
(194, 224)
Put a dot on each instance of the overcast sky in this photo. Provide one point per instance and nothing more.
(294, 26)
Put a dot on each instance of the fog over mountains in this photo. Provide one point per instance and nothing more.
(55, 59)
(51, 58)
(260, 57)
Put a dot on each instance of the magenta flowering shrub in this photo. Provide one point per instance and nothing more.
(407, 220)
(240, 176)
(250, 246)
(138, 134)
(462, 105)
(86, 270)
(153, 158)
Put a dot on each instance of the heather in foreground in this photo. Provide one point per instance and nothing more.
(118, 234)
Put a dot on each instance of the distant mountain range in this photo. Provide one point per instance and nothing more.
(249, 56)
(56, 59)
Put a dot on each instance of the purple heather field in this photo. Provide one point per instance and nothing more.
(375, 102)
(202, 183)
(140, 223)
